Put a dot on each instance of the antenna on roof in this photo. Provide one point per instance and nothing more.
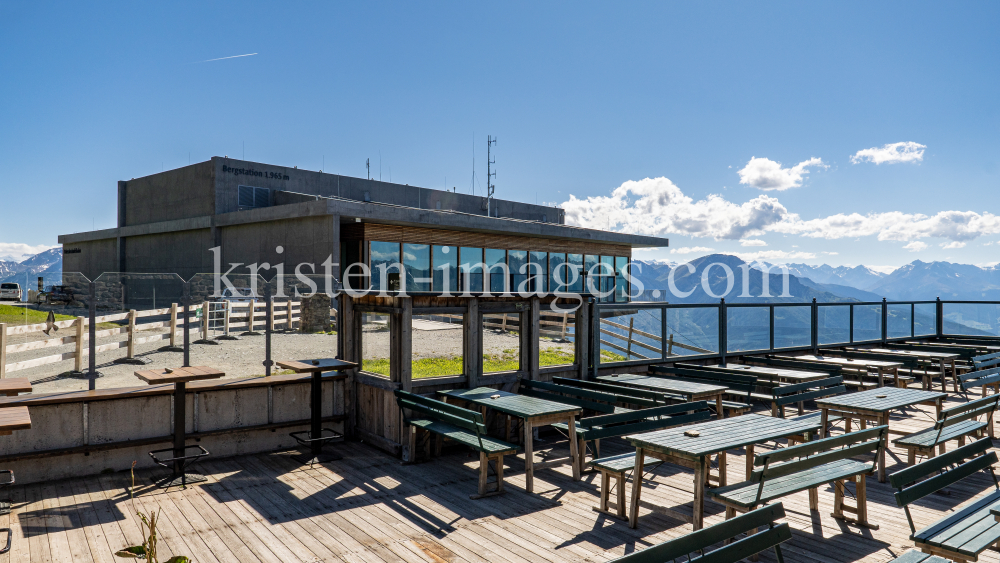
(368, 168)
(489, 176)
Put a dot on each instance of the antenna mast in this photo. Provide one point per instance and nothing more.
(490, 174)
(368, 168)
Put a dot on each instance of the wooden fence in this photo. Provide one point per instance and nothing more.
(563, 323)
(631, 344)
(224, 315)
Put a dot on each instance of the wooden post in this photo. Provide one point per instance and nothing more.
(3, 350)
(503, 326)
(405, 342)
(131, 334)
(670, 346)
(288, 317)
(581, 340)
(628, 355)
(533, 330)
(173, 324)
(225, 318)
(78, 359)
(565, 322)
(472, 343)
(253, 309)
(204, 320)
(273, 321)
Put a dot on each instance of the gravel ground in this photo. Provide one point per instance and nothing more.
(243, 357)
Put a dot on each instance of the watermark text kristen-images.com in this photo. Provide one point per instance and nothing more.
(392, 280)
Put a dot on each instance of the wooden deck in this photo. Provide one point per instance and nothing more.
(368, 507)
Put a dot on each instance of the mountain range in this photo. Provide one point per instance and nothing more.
(47, 264)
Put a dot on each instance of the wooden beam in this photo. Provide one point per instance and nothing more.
(472, 334)
(405, 320)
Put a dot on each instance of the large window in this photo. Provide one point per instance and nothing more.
(517, 261)
(445, 268)
(384, 255)
(607, 273)
(417, 262)
(621, 283)
(538, 271)
(498, 281)
(575, 262)
(471, 269)
(558, 276)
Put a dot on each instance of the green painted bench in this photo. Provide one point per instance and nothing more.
(617, 469)
(460, 425)
(955, 423)
(985, 378)
(600, 402)
(799, 393)
(591, 430)
(685, 547)
(629, 397)
(966, 532)
(914, 556)
(807, 466)
(986, 360)
(742, 386)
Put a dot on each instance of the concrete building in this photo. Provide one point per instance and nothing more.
(168, 222)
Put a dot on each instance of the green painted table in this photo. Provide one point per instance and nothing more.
(690, 390)
(534, 412)
(874, 405)
(881, 367)
(942, 358)
(673, 445)
(773, 374)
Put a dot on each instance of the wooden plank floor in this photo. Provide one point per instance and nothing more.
(368, 507)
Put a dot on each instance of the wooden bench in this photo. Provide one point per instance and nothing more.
(592, 401)
(799, 393)
(591, 430)
(739, 385)
(914, 556)
(464, 426)
(963, 534)
(807, 466)
(627, 396)
(986, 360)
(617, 468)
(684, 547)
(985, 378)
(955, 423)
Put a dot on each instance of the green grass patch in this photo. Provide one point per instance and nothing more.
(505, 361)
(13, 315)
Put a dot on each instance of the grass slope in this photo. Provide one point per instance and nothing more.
(506, 361)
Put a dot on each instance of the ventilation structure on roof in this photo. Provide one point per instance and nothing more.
(253, 198)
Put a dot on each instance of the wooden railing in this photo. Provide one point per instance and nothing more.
(631, 344)
(284, 314)
(564, 323)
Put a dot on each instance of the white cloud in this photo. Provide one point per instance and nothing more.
(774, 255)
(915, 246)
(752, 242)
(988, 264)
(952, 244)
(20, 251)
(690, 249)
(766, 174)
(830, 253)
(891, 153)
(655, 206)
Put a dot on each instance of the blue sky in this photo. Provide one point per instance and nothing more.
(583, 98)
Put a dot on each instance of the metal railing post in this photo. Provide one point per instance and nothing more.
(939, 318)
(187, 324)
(814, 326)
(663, 333)
(268, 328)
(723, 331)
(771, 328)
(885, 321)
(850, 325)
(92, 333)
(913, 319)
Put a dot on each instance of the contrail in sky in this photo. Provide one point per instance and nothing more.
(232, 57)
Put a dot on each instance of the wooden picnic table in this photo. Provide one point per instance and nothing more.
(881, 366)
(314, 436)
(11, 387)
(875, 405)
(690, 390)
(715, 437)
(179, 377)
(775, 375)
(942, 358)
(534, 412)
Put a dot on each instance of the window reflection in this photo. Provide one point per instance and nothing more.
(417, 262)
(445, 261)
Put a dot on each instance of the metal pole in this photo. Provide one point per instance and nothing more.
(187, 325)
(92, 333)
(814, 326)
(939, 318)
(850, 328)
(885, 321)
(723, 331)
(268, 299)
(180, 418)
(771, 327)
(663, 333)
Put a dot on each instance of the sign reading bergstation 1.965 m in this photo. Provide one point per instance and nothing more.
(255, 173)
